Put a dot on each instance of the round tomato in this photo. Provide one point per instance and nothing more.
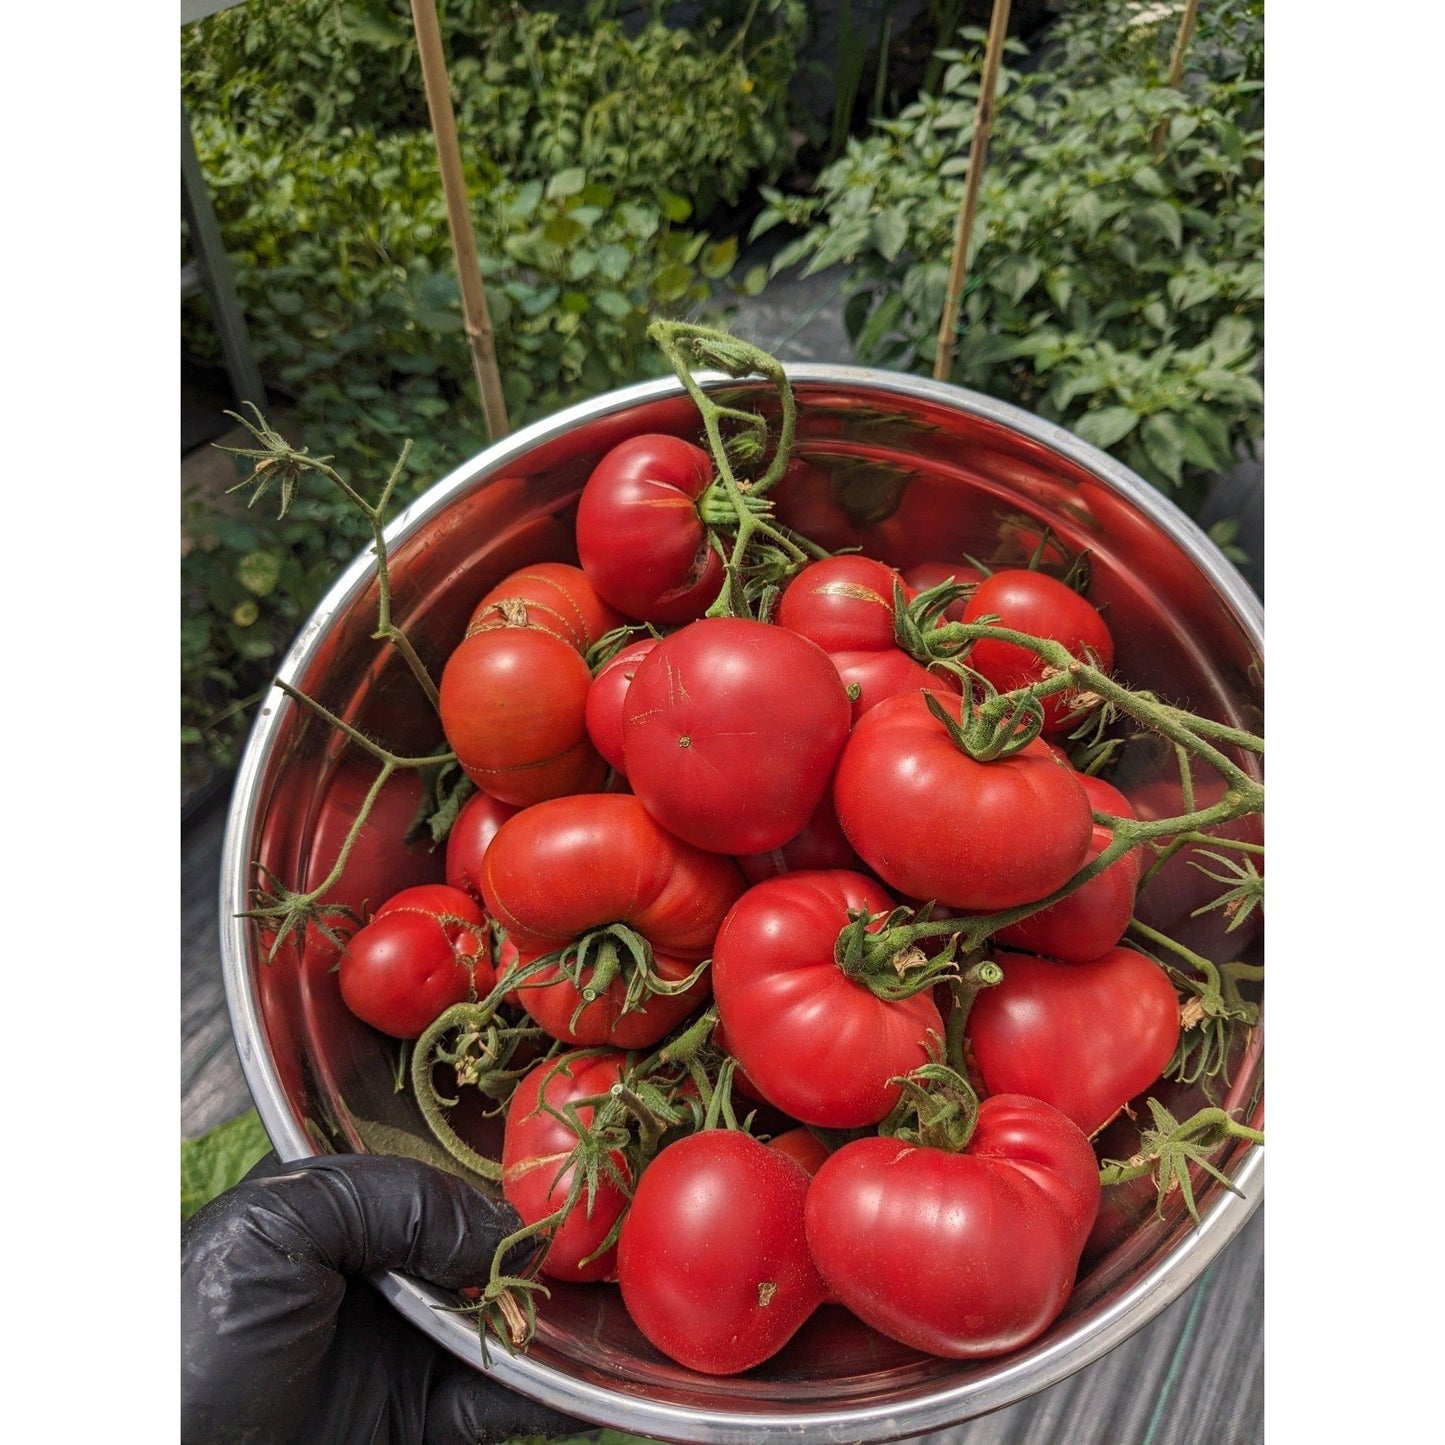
(936, 824)
(514, 710)
(425, 949)
(536, 1177)
(607, 696)
(713, 1263)
(1084, 1037)
(475, 827)
(555, 596)
(965, 1254)
(731, 732)
(843, 603)
(1094, 917)
(640, 539)
(822, 1047)
(599, 867)
(869, 677)
(1034, 602)
(923, 575)
(819, 844)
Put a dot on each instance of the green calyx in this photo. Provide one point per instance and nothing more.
(938, 1109)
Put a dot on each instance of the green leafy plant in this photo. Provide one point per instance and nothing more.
(588, 176)
(221, 1157)
(1113, 288)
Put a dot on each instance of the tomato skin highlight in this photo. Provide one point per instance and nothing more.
(731, 732)
(820, 1046)
(640, 538)
(937, 825)
(535, 1145)
(713, 1262)
(962, 1255)
(1036, 603)
(1084, 1037)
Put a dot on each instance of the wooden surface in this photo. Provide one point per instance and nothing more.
(1195, 1376)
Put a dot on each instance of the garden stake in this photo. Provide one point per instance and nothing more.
(977, 156)
(1176, 69)
(476, 317)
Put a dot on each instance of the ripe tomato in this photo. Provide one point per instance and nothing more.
(731, 731)
(819, 844)
(822, 1047)
(935, 824)
(640, 539)
(843, 603)
(606, 699)
(886, 673)
(923, 575)
(424, 949)
(1036, 603)
(713, 1264)
(1092, 919)
(963, 1255)
(574, 866)
(535, 1146)
(557, 597)
(1085, 1037)
(476, 825)
(513, 708)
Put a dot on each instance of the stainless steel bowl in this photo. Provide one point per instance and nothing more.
(923, 471)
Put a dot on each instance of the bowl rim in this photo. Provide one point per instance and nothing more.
(1019, 1375)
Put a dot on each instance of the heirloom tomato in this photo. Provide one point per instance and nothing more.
(1043, 606)
(607, 698)
(963, 1254)
(514, 710)
(1084, 1037)
(555, 596)
(938, 825)
(731, 731)
(598, 867)
(475, 827)
(1095, 916)
(820, 1046)
(640, 539)
(843, 603)
(819, 844)
(536, 1176)
(713, 1263)
(869, 677)
(425, 949)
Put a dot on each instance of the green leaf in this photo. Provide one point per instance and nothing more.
(1232, 339)
(220, 1158)
(259, 572)
(1163, 444)
(1150, 181)
(674, 207)
(671, 283)
(564, 231)
(889, 233)
(566, 183)
(1107, 425)
(717, 259)
(1015, 276)
(612, 303)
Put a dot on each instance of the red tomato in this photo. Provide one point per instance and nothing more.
(535, 1146)
(843, 603)
(820, 844)
(1085, 1037)
(425, 949)
(557, 597)
(713, 1264)
(962, 1255)
(640, 539)
(572, 866)
(731, 732)
(607, 696)
(1042, 606)
(886, 673)
(819, 1045)
(476, 825)
(513, 708)
(935, 824)
(1092, 919)
(801, 1145)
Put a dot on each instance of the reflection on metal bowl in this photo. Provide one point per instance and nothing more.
(913, 471)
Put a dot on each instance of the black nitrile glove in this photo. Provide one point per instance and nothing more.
(283, 1338)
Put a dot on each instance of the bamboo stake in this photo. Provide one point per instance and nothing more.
(1176, 68)
(475, 315)
(977, 156)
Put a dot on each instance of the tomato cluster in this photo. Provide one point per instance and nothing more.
(754, 833)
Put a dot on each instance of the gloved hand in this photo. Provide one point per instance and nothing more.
(284, 1339)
